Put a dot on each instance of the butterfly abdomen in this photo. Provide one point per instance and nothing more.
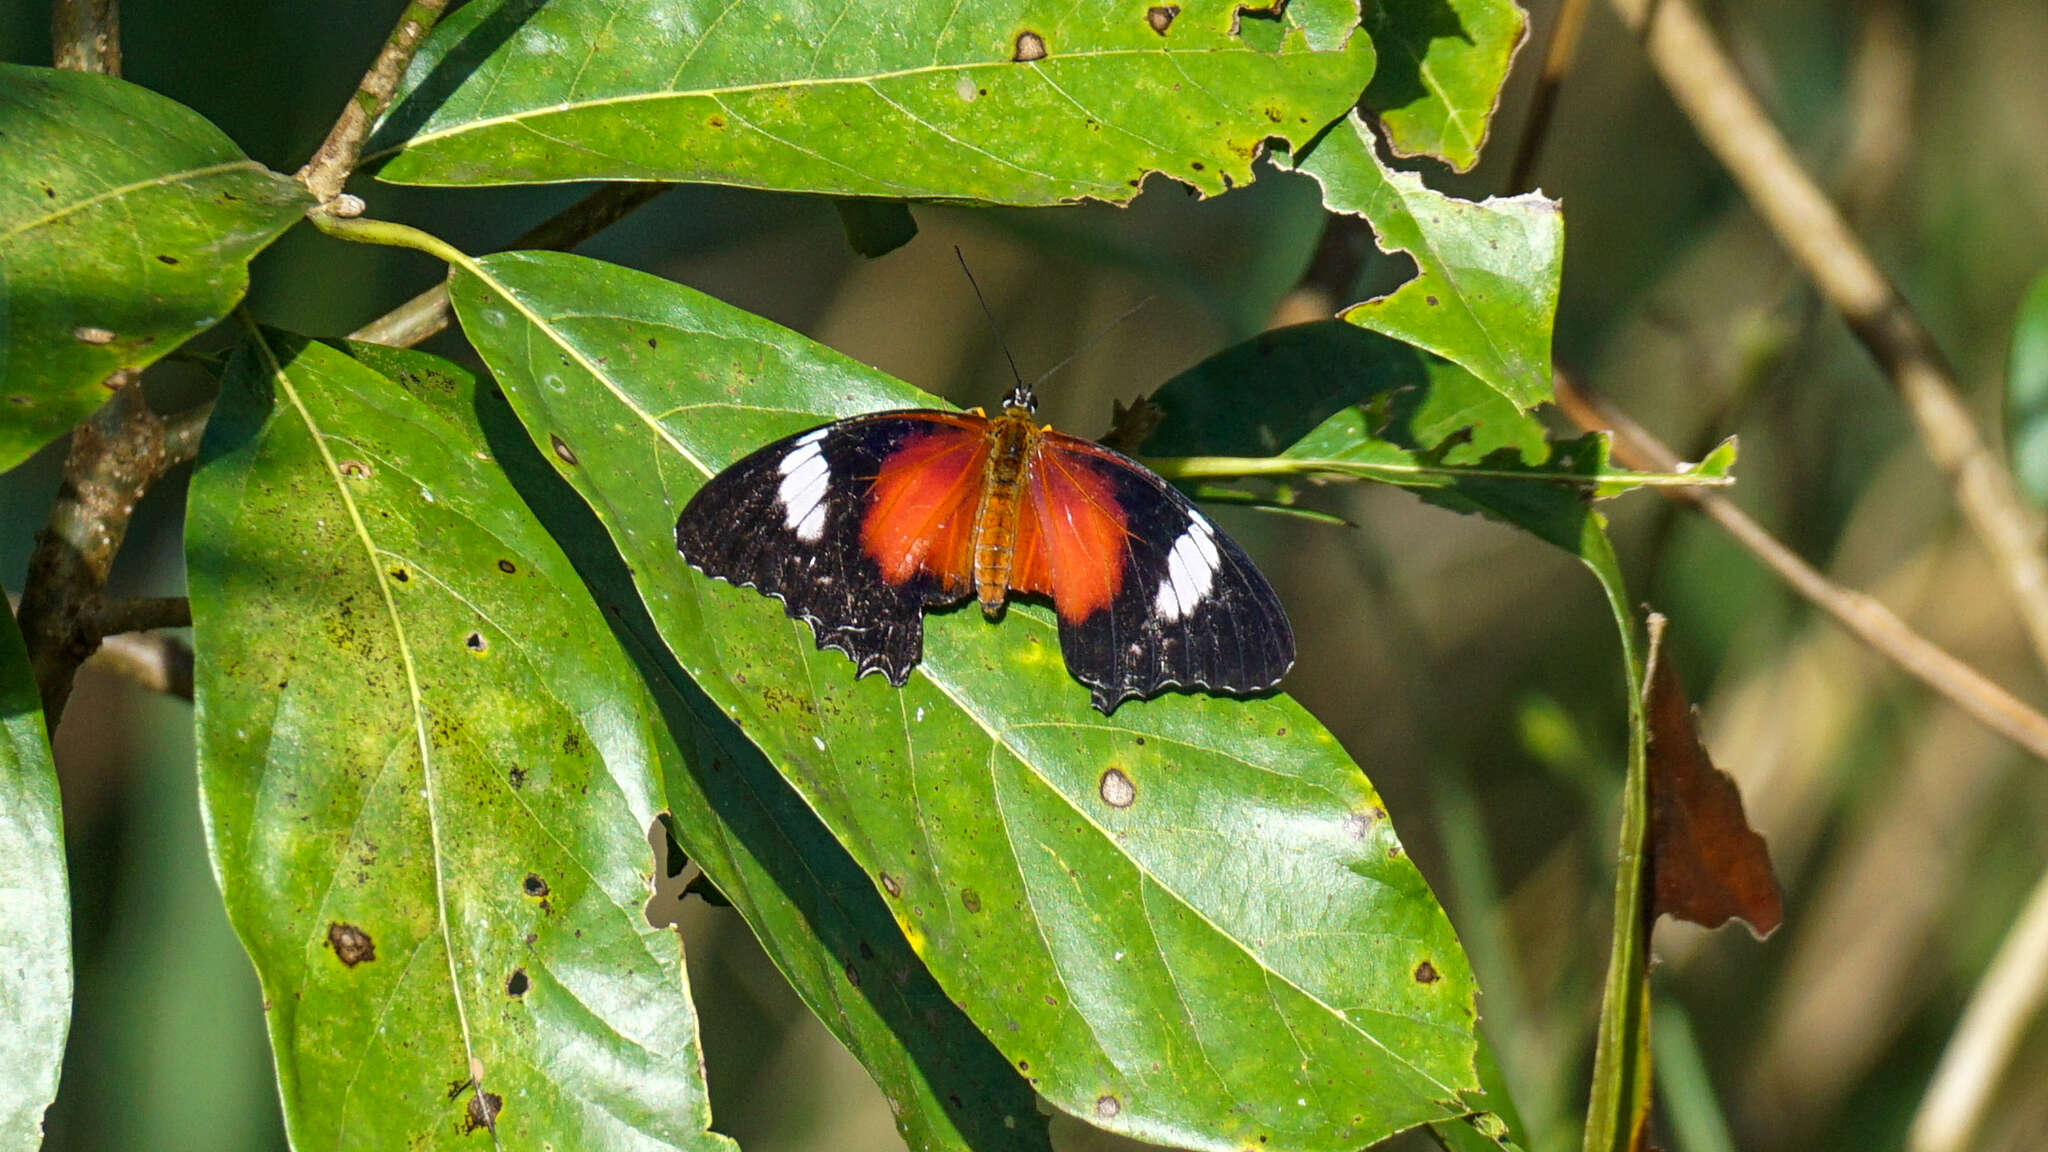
(995, 517)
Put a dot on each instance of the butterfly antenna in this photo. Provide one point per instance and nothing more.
(1020, 396)
(1090, 342)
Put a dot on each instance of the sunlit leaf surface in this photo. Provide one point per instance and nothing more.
(126, 225)
(1032, 103)
(1485, 292)
(807, 901)
(428, 771)
(1442, 65)
(35, 931)
(1189, 922)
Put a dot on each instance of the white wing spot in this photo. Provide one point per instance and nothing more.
(805, 478)
(1191, 567)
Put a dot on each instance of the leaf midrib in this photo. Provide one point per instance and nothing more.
(412, 683)
(186, 175)
(997, 737)
(720, 91)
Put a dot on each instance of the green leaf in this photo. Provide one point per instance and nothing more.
(1442, 65)
(35, 932)
(1485, 292)
(127, 227)
(1261, 396)
(2026, 394)
(805, 899)
(1190, 922)
(428, 772)
(1008, 103)
(1547, 498)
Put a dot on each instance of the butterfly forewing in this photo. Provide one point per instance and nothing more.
(1150, 594)
(856, 526)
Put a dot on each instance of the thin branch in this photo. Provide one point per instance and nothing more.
(139, 614)
(85, 36)
(1865, 618)
(116, 454)
(1735, 128)
(336, 157)
(1557, 60)
(427, 313)
(2011, 994)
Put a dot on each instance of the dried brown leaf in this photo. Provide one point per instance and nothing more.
(1709, 866)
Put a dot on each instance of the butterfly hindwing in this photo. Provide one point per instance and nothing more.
(805, 521)
(1150, 594)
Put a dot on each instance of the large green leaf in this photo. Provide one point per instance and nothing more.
(1009, 103)
(2026, 393)
(1442, 65)
(1190, 922)
(1485, 292)
(1261, 396)
(805, 898)
(428, 772)
(35, 931)
(126, 225)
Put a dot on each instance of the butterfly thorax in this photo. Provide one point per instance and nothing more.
(1012, 435)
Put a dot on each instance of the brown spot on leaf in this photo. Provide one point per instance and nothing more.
(1030, 46)
(482, 1112)
(1116, 789)
(1107, 1106)
(533, 885)
(1160, 16)
(561, 447)
(162, 259)
(1425, 973)
(353, 469)
(1708, 865)
(516, 777)
(351, 944)
(1430, 300)
(507, 567)
(401, 575)
(970, 900)
(892, 886)
(90, 334)
(517, 983)
(474, 642)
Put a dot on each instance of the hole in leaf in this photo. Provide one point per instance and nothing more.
(1116, 789)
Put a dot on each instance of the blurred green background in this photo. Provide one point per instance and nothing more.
(1470, 670)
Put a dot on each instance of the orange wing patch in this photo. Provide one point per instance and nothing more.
(1070, 544)
(920, 513)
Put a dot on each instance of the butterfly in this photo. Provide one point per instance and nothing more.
(861, 525)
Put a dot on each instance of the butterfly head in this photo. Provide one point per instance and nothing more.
(1021, 397)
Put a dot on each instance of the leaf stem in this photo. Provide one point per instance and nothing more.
(428, 313)
(390, 235)
(336, 157)
(1620, 1097)
(1252, 467)
(1734, 126)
